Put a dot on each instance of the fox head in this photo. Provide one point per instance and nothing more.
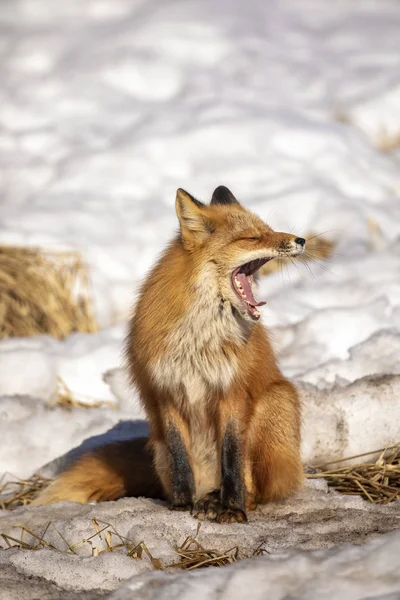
(234, 243)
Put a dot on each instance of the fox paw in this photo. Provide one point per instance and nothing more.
(208, 508)
(231, 515)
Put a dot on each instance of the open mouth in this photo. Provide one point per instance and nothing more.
(242, 281)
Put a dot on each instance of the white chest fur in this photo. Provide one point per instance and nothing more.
(195, 362)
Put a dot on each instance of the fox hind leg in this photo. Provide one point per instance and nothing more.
(273, 455)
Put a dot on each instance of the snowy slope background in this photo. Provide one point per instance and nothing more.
(107, 107)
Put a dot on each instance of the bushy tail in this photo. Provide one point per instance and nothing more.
(113, 471)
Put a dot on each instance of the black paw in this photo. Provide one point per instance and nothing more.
(231, 515)
(208, 508)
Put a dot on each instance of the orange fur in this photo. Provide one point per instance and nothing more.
(200, 361)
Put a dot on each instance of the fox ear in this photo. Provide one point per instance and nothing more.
(222, 195)
(195, 223)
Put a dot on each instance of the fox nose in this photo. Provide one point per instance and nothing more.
(300, 241)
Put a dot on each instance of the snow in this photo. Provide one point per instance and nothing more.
(353, 571)
(80, 361)
(312, 521)
(162, 96)
(106, 108)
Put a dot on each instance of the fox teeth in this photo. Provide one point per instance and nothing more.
(240, 289)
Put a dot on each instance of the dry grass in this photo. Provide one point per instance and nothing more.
(20, 492)
(104, 539)
(43, 292)
(192, 555)
(377, 482)
(317, 249)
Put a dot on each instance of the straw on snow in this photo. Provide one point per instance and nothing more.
(377, 482)
(20, 492)
(43, 292)
(192, 555)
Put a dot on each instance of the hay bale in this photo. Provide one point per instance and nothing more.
(43, 293)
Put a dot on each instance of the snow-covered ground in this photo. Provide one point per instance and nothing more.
(108, 106)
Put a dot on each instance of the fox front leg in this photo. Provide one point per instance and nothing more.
(233, 489)
(228, 504)
(182, 479)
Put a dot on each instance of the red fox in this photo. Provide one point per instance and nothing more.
(225, 423)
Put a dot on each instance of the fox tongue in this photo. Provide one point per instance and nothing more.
(244, 282)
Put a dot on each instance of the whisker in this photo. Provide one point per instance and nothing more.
(281, 270)
(322, 233)
(315, 261)
(293, 263)
(307, 266)
(331, 253)
(293, 228)
(287, 269)
(270, 214)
